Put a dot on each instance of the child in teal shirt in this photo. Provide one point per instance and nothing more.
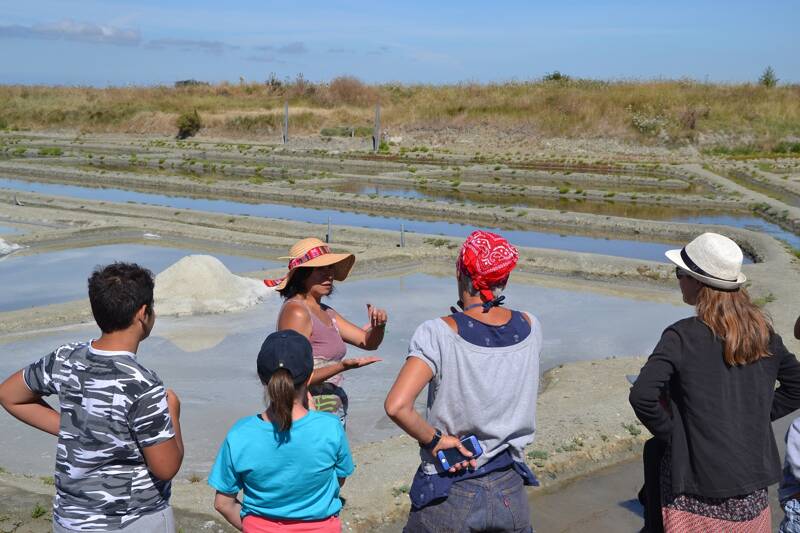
(288, 461)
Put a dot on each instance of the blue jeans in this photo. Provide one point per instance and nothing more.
(494, 502)
(791, 522)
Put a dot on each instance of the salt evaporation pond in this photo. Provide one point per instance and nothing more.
(611, 208)
(210, 360)
(8, 229)
(617, 247)
(55, 277)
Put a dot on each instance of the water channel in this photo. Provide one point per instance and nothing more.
(210, 360)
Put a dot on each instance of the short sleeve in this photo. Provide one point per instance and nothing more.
(423, 346)
(38, 376)
(344, 460)
(223, 476)
(150, 419)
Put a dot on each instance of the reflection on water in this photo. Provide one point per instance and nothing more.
(610, 208)
(216, 379)
(55, 277)
(8, 230)
(618, 247)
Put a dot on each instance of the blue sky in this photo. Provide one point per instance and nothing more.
(122, 42)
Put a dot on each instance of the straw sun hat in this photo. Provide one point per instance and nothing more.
(712, 259)
(313, 252)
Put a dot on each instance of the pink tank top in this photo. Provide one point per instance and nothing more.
(326, 343)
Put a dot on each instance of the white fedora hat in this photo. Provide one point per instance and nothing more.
(712, 259)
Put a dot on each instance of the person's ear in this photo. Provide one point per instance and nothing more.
(141, 314)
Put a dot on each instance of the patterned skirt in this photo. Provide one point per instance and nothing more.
(690, 513)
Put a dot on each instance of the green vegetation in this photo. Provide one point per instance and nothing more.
(347, 131)
(48, 480)
(632, 428)
(768, 78)
(188, 124)
(764, 300)
(399, 491)
(38, 511)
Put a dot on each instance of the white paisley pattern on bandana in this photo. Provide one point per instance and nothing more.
(111, 407)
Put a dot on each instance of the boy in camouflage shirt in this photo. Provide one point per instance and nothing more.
(119, 439)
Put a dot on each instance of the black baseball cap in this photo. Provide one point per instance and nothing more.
(288, 350)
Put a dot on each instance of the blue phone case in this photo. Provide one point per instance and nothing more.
(470, 442)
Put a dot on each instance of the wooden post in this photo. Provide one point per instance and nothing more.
(329, 235)
(402, 236)
(376, 134)
(286, 122)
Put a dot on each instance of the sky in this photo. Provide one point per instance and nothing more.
(148, 42)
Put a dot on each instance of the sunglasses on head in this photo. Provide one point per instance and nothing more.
(681, 273)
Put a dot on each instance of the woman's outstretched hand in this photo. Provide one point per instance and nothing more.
(358, 362)
(449, 441)
(377, 317)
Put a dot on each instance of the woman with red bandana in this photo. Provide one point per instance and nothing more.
(481, 367)
(313, 268)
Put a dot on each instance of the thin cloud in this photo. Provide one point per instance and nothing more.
(381, 50)
(341, 51)
(70, 30)
(294, 48)
(192, 45)
(265, 58)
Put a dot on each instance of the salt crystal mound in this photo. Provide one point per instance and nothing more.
(201, 284)
(8, 247)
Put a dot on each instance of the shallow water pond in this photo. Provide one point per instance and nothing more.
(653, 251)
(55, 277)
(210, 360)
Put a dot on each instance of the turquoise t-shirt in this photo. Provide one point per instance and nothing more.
(294, 478)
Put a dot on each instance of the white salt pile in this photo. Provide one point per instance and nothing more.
(201, 284)
(8, 247)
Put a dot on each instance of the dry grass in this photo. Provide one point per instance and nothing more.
(661, 111)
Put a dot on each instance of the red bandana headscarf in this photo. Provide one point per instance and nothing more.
(488, 259)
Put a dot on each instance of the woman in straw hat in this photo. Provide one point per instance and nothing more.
(719, 369)
(312, 270)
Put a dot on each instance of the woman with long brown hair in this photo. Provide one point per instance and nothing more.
(719, 370)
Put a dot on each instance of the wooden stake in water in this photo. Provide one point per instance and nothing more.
(329, 235)
(286, 122)
(376, 134)
(402, 236)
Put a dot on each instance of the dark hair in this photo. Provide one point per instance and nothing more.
(297, 283)
(282, 393)
(117, 291)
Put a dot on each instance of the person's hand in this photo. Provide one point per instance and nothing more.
(358, 362)
(377, 317)
(449, 441)
(174, 404)
(311, 405)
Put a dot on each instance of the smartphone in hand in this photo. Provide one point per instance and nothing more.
(451, 456)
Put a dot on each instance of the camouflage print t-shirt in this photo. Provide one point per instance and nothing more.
(111, 408)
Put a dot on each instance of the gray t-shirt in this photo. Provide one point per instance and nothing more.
(475, 390)
(111, 407)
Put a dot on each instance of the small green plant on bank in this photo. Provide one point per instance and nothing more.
(38, 511)
(383, 147)
(51, 152)
(48, 480)
(19, 152)
(632, 428)
(764, 300)
(399, 491)
(195, 478)
(538, 457)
